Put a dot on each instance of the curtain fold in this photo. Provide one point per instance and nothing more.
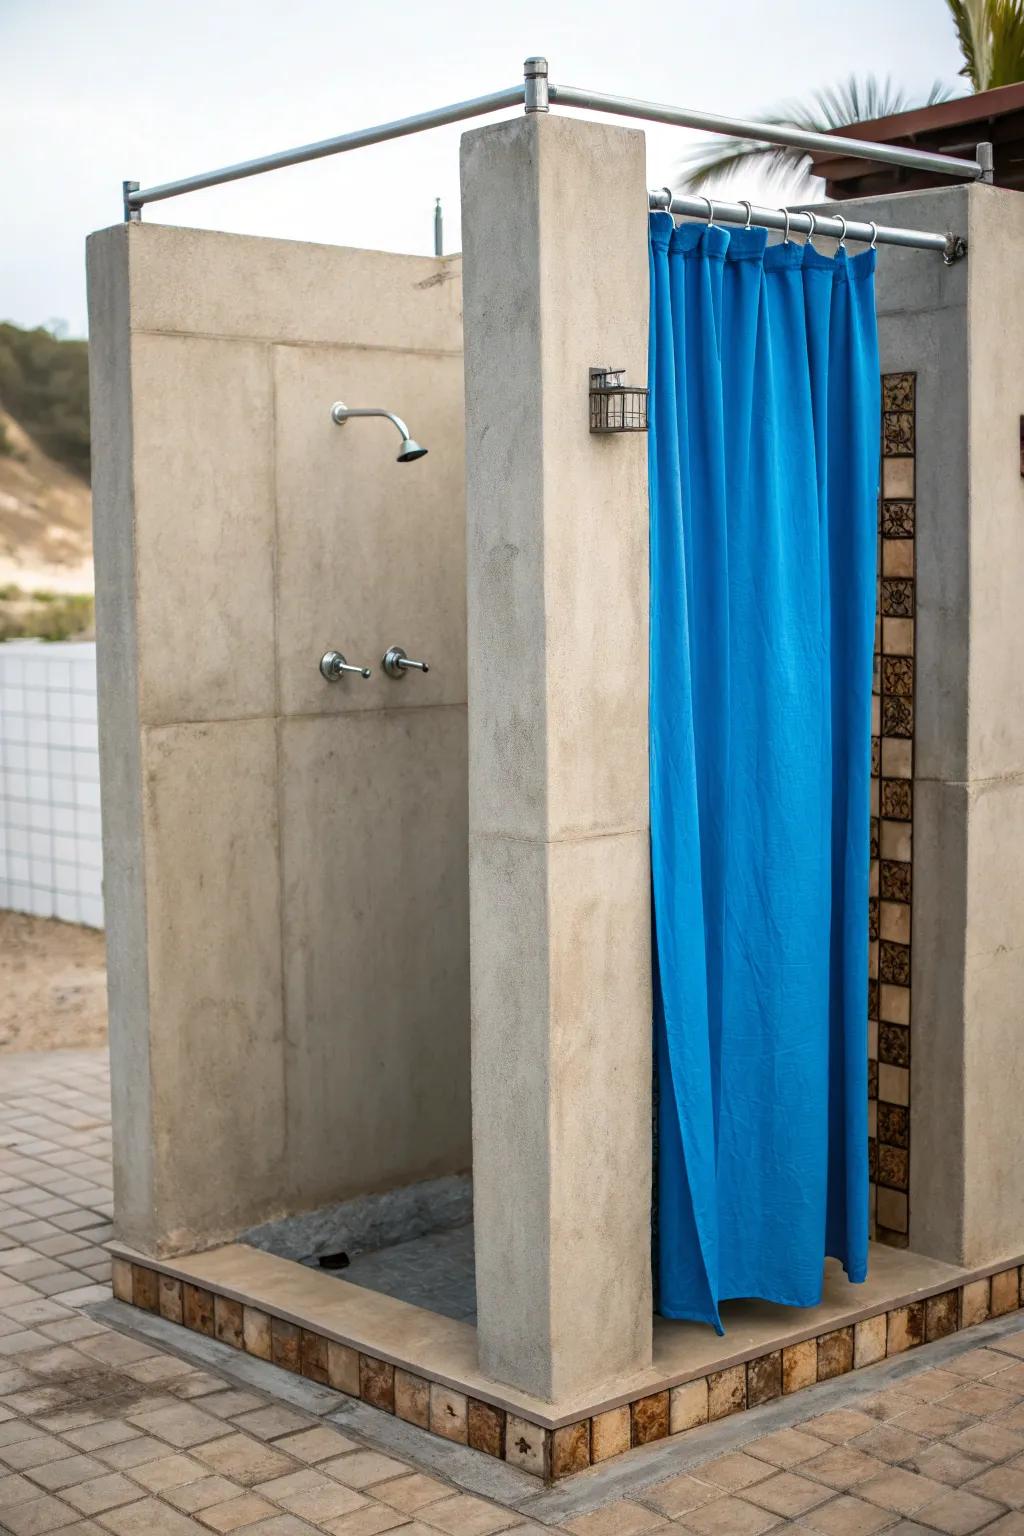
(764, 458)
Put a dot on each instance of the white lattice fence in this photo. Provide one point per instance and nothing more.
(51, 856)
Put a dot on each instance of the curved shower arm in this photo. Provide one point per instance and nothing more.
(340, 414)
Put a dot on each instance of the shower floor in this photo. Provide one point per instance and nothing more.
(435, 1272)
(414, 1244)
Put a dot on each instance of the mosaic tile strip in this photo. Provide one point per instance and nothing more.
(556, 1453)
(892, 807)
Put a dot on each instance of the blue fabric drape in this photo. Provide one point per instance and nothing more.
(764, 427)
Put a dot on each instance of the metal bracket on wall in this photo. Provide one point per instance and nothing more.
(956, 248)
(985, 155)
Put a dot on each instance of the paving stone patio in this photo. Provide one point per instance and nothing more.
(102, 1434)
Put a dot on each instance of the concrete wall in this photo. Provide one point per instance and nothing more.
(286, 858)
(961, 329)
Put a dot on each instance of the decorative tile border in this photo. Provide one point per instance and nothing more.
(892, 808)
(556, 1453)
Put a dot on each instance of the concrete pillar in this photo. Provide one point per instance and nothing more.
(961, 331)
(555, 280)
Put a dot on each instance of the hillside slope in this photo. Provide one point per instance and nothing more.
(45, 518)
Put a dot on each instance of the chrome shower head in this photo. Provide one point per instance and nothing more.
(410, 449)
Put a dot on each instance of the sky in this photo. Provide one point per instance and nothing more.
(93, 92)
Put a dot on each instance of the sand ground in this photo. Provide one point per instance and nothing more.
(53, 985)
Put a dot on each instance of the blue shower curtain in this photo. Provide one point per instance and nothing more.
(764, 427)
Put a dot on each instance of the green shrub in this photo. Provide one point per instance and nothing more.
(44, 616)
(44, 385)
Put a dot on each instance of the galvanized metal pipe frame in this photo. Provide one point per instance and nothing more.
(536, 94)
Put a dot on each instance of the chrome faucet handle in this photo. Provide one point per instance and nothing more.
(396, 663)
(334, 666)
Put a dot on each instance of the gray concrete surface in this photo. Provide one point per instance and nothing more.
(554, 223)
(961, 329)
(286, 859)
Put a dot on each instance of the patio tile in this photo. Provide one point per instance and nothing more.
(992, 1441)
(958, 1512)
(464, 1515)
(235, 1513)
(677, 1496)
(169, 1472)
(191, 1497)
(92, 1437)
(934, 1420)
(362, 1469)
(889, 1442)
(411, 1493)
(789, 1494)
(1004, 1484)
(102, 1493)
(272, 1421)
(66, 1471)
(132, 1453)
(246, 1461)
(38, 1451)
(843, 1468)
(372, 1520)
(903, 1492)
(887, 1405)
(929, 1386)
(946, 1463)
(182, 1426)
(15, 1489)
(728, 1516)
(283, 1489)
(787, 1447)
(312, 1445)
(148, 1517)
(847, 1516)
(732, 1472)
(620, 1519)
(286, 1525)
(980, 1400)
(975, 1364)
(38, 1516)
(840, 1425)
(324, 1503)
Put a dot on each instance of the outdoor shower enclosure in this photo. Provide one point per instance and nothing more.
(289, 862)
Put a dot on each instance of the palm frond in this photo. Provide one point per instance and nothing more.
(849, 101)
(991, 38)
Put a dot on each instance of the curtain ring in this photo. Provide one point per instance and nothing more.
(711, 210)
(814, 225)
(842, 237)
(750, 214)
(874, 234)
(668, 193)
(785, 215)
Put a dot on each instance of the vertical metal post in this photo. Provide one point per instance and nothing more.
(985, 156)
(438, 228)
(535, 72)
(131, 215)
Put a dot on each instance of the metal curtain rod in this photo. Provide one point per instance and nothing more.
(536, 94)
(951, 247)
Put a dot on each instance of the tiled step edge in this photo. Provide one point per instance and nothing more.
(557, 1453)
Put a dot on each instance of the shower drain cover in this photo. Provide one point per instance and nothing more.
(334, 1261)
